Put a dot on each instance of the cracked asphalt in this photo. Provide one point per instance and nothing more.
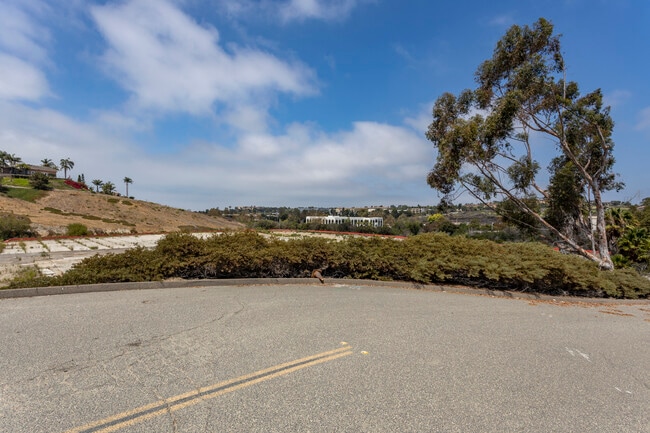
(414, 361)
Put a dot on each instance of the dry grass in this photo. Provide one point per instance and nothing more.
(106, 214)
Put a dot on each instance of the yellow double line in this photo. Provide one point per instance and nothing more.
(171, 404)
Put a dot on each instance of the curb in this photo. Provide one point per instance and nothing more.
(173, 284)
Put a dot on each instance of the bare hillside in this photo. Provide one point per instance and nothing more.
(107, 214)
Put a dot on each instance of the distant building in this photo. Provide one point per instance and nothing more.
(355, 221)
(28, 170)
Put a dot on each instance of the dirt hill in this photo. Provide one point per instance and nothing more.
(102, 213)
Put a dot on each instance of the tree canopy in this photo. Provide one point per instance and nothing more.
(487, 138)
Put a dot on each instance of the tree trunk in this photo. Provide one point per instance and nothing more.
(601, 232)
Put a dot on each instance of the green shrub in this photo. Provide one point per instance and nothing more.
(426, 258)
(77, 229)
(40, 181)
(14, 226)
(29, 276)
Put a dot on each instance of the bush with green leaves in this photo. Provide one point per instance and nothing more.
(40, 181)
(425, 259)
(77, 229)
(14, 226)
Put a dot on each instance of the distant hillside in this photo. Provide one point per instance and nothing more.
(101, 213)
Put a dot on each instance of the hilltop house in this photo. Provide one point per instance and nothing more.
(26, 170)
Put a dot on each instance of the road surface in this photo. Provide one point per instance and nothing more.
(329, 358)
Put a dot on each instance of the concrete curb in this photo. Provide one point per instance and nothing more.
(169, 284)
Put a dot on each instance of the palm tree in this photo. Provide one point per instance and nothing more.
(12, 161)
(97, 183)
(66, 164)
(108, 188)
(635, 244)
(127, 181)
(46, 162)
(618, 221)
(4, 159)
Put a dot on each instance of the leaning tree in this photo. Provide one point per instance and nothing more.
(487, 139)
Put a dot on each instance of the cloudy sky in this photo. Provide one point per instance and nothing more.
(211, 103)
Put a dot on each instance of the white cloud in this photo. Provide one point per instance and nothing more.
(292, 10)
(422, 119)
(643, 123)
(616, 98)
(20, 80)
(170, 63)
(22, 50)
(20, 32)
(369, 163)
(316, 9)
(505, 20)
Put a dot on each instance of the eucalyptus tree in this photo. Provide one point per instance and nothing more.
(66, 164)
(486, 139)
(127, 181)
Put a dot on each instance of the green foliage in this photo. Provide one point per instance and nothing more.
(16, 181)
(634, 244)
(483, 136)
(513, 214)
(14, 226)
(40, 181)
(108, 188)
(566, 202)
(26, 194)
(426, 258)
(29, 276)
(77, 229)
(54, 210)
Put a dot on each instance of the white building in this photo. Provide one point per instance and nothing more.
(355, 221)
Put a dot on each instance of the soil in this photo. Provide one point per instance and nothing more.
(105, 214)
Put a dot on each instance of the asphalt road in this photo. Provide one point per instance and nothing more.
(332, 358)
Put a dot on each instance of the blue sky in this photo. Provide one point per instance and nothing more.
(211, 103)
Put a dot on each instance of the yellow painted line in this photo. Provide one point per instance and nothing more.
(171, 404)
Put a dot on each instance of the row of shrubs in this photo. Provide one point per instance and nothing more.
(426, 258)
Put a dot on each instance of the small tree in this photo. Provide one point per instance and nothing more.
(485, 138)
(39, 181)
